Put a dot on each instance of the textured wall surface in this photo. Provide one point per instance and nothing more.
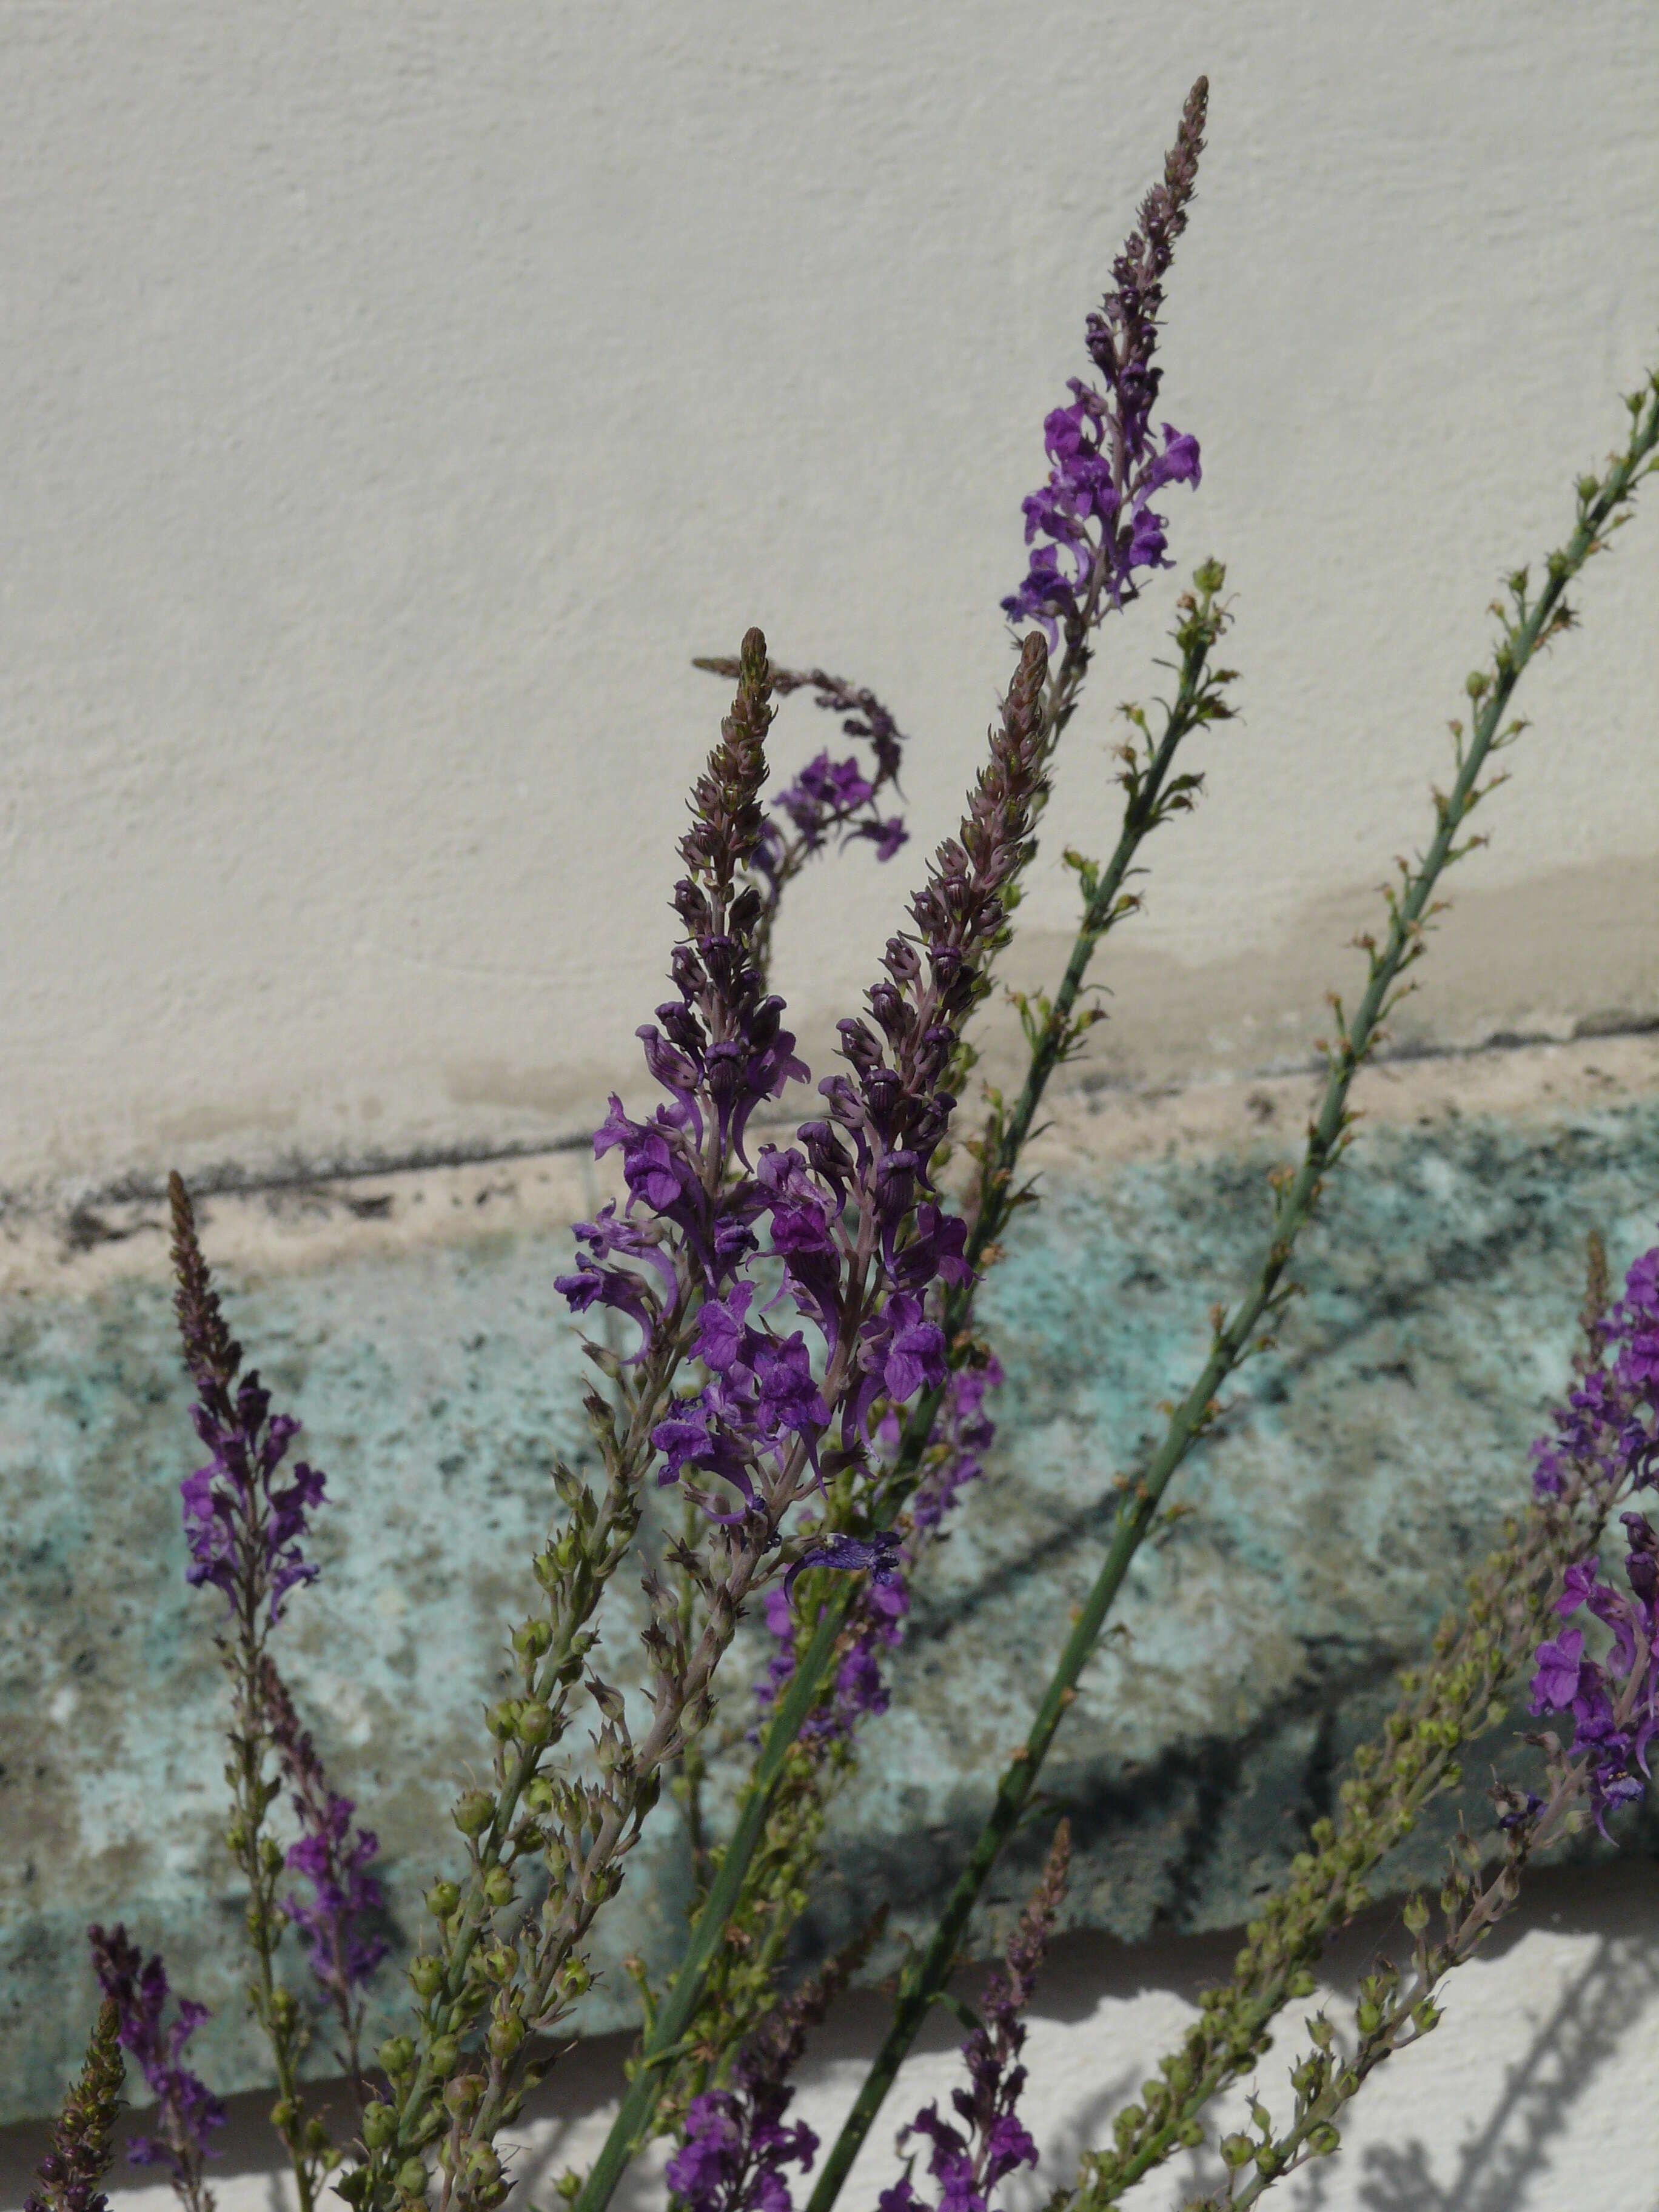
(396, 396)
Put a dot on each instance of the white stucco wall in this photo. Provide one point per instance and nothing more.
(395, 398)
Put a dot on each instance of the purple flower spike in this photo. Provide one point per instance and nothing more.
(334, 1858)
(737, 2140)
(968, 2162)
(186, 2111)
(1604, 1439)
(1607, 1430)
(1106, 466)
(242, 1524)
(719, 1049)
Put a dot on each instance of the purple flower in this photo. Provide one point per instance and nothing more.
(1614, 1703)
(1556, 1682)
(737, 2140)
(832, 798)
(1606, 1432)
(332, 1858)
(1094, 514)
(878, 1557)
(186, 2110)
(970, 2161)
(733, 2156)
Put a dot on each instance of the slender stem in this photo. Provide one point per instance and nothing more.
(1197, 701)
(273, 2004)
(675, 2013)
(1294, 1202)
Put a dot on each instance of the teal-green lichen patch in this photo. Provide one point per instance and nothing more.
(1366, 1462)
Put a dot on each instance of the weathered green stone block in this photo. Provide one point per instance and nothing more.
(1365, 1464)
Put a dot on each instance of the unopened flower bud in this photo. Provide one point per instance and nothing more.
(462, 2094)
(530, 1641)
(474, 1811)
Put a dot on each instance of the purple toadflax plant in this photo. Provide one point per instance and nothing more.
(186, 2111)
(1107, 462)
(968, 2162)
(243, 1524)
(804, 1372)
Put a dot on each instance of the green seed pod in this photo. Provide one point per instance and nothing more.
(426, 1977)
(412, 2179)
(474, 1811)
(441, 1899)
(380, 2126)
(1236, 2151)
(396, 2054)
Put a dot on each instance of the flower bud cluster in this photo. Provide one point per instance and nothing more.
(78, 2158)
